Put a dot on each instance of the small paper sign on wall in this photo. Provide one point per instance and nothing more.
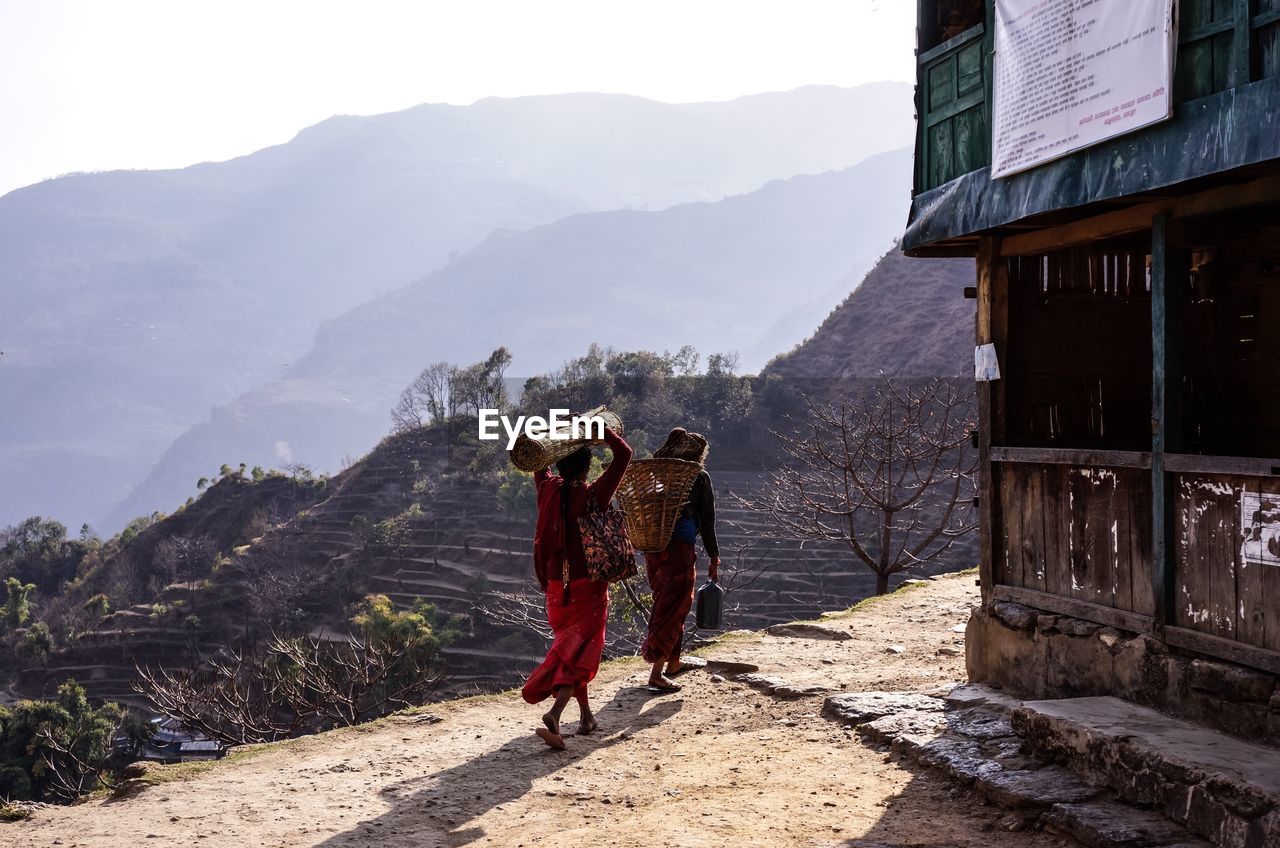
(1260, 526)
(985, 366)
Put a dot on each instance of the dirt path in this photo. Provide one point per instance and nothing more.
(717, 764)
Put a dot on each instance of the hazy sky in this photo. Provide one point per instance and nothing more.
(99, 84)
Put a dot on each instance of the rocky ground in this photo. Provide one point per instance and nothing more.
(746, 762)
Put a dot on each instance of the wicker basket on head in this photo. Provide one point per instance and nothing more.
(536, 454)
(651, 495)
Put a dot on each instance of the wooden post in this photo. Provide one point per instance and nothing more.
(1241, 45)
(991, 329)
(1168, 294)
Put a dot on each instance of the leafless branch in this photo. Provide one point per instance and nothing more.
(294, 685)
(889, 475)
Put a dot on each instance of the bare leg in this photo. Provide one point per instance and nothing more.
(673, 662)
(659, 681)
(586, 720)
(551, 732)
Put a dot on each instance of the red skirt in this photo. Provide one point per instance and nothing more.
(671, 577)
(577, 639)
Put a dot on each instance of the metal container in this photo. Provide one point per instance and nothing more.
(710, 603)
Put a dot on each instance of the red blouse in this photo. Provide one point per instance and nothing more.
(551, 543)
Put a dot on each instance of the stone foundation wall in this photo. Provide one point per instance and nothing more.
(1036, 655)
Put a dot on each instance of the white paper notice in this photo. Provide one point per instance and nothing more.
(1260, 527)
(985, 366)
(1072, 73)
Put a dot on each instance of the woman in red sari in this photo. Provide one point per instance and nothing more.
(576, 612)
(672, 571)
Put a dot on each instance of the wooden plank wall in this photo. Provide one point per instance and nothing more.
(1217, 589)
(1081, 533)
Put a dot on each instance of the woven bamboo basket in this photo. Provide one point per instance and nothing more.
(536, 454)
(651, 495)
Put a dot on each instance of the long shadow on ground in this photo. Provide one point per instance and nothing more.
(436, 808)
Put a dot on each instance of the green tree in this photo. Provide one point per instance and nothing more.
(36, 642)
(98, 608)
(37, 551)
(60, 747)
(17, 605)
(378, 618)
(517, 496)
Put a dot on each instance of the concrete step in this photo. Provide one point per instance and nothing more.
(1215, 785)
(968, 734)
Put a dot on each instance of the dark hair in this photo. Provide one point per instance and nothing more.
(575, 464)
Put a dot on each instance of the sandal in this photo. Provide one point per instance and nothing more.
(663, 688)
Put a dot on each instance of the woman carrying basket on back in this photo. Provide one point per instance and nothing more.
(576, 612)
(672, 571)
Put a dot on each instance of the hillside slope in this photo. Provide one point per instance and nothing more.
(907, 317)
(717, 764)
(409, 522)
(135, 301)
(717, 275)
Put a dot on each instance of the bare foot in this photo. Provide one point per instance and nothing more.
(586, 727)
(675, 667)
(554, 740)
(662, 684)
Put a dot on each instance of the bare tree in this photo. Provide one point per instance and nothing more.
(279, 584)
(482, 385)
(890, 475)
(72, 764)
(426, 400)
(186, 558)
(292, 686)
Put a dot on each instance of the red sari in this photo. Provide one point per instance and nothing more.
(575, 652)
(671, 577)
(577, 627)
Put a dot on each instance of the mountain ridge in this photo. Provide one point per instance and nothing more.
(712, 274)
(138, 300)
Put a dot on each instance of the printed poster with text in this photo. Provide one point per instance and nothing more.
(1072, 73)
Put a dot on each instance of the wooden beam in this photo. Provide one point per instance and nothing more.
(1241, 45)
(1138, 218)
(1062, 456)
(1083, 610)
(987, 259)
(1134, 219)
(1223, 649)
(1168, 277)
(1244, 466)
(1226, 198)
(999, 327)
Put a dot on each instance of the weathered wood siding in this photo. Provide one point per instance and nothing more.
(1221, 587)
(1081, 533)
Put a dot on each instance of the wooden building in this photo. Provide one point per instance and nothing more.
(1130, 448)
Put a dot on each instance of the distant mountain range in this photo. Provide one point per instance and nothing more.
(736, 275)
(136, 302)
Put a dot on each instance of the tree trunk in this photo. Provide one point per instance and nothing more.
(882, 584)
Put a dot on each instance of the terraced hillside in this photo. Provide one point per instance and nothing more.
(409, 522)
